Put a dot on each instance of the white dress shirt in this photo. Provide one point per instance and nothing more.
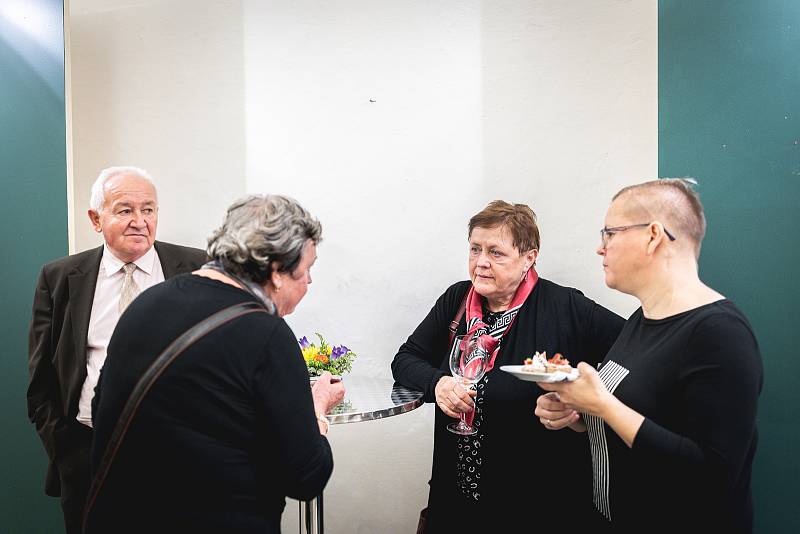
(105, 314)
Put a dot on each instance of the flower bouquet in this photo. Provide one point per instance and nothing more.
(324, 357)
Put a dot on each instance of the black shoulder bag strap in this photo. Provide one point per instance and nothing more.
(457, 319)
(156, 369)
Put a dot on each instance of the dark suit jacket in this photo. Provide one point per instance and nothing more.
(59, 327)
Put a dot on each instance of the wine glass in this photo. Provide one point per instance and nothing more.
(468, 364)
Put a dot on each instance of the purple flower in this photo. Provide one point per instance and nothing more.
(338, 352)
(303, 342)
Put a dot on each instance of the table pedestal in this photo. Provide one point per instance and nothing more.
(366, 400)
(311, 516)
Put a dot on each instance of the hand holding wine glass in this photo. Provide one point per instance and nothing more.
(468, 364)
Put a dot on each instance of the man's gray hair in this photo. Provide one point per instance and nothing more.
(98, 188)
(262, 233)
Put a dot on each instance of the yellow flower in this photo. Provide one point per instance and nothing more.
(309, 353)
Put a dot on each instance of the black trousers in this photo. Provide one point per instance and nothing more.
(74, 472)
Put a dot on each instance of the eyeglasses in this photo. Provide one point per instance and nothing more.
(606, 233)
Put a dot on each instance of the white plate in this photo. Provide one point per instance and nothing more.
(558, 376)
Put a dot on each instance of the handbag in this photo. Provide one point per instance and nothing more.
(423, 514)
(143, 385)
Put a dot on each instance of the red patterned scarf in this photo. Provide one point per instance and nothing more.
(493, 336)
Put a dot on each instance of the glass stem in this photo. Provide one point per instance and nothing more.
(464, 415)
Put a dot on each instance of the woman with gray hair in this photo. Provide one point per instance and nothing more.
(231, 427)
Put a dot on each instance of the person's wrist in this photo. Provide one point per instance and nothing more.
(324, 421)
(320, 406)
(605, 405)
(578, 425)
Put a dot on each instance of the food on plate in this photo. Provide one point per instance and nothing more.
(540, 364)
(558, 363)
(536, 364)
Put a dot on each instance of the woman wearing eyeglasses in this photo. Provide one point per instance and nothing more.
(500, 479)
(671, 413)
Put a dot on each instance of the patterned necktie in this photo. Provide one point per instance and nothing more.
(129, 287)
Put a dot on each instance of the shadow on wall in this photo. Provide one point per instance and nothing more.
(35, 33)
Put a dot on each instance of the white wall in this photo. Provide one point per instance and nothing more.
(159, 84)
(549, 103)
(393, 182)
(570, 92)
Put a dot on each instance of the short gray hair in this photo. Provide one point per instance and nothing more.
(260, 233)
(98, 188)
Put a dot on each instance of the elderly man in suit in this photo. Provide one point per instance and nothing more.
(77, 303)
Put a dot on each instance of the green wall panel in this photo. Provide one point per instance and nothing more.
(729, 115)
(33, 210)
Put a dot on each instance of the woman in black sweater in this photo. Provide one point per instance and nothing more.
(497, 478)
(229, 430)
(671, 414)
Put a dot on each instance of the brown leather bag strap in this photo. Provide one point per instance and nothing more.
(457, 319)
(156, 369)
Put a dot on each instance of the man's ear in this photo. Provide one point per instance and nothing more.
(95, 218)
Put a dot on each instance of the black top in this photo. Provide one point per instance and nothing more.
(225, 433)
(696, 377)
(523, 464)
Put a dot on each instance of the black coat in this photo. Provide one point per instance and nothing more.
(62, 307)
(224, 434)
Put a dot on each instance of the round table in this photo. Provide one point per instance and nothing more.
(366, 399)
